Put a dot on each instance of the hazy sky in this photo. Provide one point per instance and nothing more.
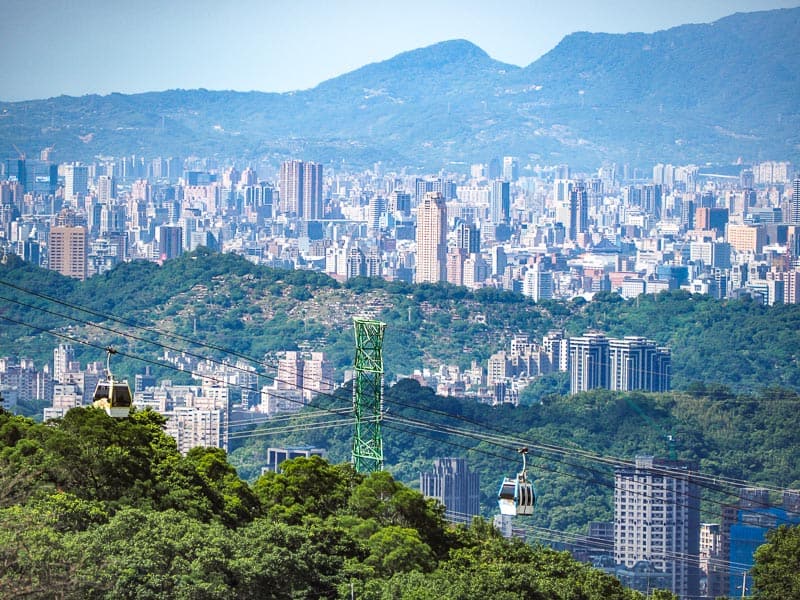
(76, 47)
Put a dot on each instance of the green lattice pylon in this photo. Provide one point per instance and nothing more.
(368, 396)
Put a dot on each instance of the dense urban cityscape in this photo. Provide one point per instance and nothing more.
(544, 232)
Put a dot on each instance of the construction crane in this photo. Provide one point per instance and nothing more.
(22, 155)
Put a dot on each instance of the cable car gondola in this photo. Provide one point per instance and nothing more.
(112, 396)
(516, 495)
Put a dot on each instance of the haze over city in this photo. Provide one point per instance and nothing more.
(50, 48)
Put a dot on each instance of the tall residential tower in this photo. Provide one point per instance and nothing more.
(431, 239)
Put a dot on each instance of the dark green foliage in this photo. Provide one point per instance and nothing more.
(776, 572)
(258, 311)
(726, 434)
(153, 524)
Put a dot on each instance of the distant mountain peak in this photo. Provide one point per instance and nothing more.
(442, 53)
(688, 93)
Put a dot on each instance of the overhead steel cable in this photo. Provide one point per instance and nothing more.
(552, 448)
(238, 354)
(431, 427)
(611, 461)
(143, 359)
(598, 476)
(158, 332)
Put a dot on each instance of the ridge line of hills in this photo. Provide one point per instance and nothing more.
(696, 93)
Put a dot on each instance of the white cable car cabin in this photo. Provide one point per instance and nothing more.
(111, 395)
(516, 495)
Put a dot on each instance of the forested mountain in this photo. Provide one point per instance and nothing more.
(232, 304)
(92, 507)
(695, 93)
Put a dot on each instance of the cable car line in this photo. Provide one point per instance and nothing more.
(155, 331)
(555, 449)
(244, 356)
(387, 425)
(147, 360)
(599, 478)
(545, 447)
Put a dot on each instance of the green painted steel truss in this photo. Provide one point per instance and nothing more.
(368, 396)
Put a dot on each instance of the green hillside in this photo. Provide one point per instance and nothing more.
(92, 507)
(751, 438)
(224, 301)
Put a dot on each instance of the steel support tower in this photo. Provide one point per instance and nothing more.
(368, 396)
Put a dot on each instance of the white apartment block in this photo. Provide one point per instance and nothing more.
(657, 519)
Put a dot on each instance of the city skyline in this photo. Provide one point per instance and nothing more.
(91, 47)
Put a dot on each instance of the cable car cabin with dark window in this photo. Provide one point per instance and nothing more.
(114, 397)
(516, 495)
(111, 395)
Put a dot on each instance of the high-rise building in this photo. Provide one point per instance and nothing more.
(794, 210)
(588, 362)
(652, 200)
(356, 263)
(76, 184)
(468, 238)
(510, 168)
(712, 562)
(301, 189)
(744, 528)
(308, 374)
(578, 210)
(400, 202)
(500, 203)
(638, 364)
(744, 238)
(631, 363)
(455, 486)
(499, 260)
(63, 362)
(431, 239)
(455, 265)
(657, 519)
(556, 348)
(170, 242)
(291, 187)
(376, 210)
(318, 375)
(67, 250)
(313, 202)
(106, 189)
(538, 283)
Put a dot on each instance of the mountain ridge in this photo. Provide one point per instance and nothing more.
(694, 93)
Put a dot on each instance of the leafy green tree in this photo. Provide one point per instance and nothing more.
(237, 502)
(276, 560)
(395, 549)
(776, 572)
(306, 486)
(144, 554)
(36, 561)
(389, 502)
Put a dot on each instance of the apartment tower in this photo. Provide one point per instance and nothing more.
(431, 239)
(657, 519)
(67, 251)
